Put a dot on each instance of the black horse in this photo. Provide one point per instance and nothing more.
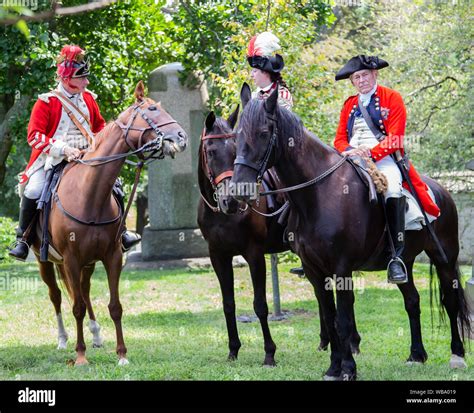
(337, 231)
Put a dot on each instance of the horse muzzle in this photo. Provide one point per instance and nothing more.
(228, 205)
(173, 144)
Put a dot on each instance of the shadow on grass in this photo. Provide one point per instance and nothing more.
(30, 269)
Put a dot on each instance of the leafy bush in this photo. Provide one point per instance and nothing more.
(288, 257)
(7, 236)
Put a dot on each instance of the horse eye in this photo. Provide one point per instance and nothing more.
(152, 107)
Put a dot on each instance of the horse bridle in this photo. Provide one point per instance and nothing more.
(261, 166)
(154, 146)
(215, 181)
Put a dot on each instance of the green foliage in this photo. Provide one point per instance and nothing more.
(288, 257)
(429, 48)
(7, 237)
(215, 36)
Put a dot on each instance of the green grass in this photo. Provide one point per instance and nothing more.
(175, 330)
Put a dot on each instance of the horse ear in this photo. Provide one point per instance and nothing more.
(210, 119)
(245, 94)
(139, 91)
(233, 117)
(271, 102)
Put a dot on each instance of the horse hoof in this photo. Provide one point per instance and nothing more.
(123, 362)
(457, 362)
(98, 344)
(331, 378)
(322, 347)
(348, 377)
(232, 357)
(355, 351)
(62, 345)
(269, 362)
(414, 363)
(81, 362)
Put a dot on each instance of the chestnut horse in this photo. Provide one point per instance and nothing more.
(337, 231)
(230, 232)
(85, 196)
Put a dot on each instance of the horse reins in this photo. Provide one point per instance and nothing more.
(262, 166)
(154, 146)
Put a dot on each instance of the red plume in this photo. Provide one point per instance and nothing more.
(251, 48)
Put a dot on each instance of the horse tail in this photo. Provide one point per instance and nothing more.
(63, 280)
(464, 318)
(436, 295)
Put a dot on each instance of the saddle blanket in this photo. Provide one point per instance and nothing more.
(414, 219)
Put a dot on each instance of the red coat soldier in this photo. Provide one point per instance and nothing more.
(63, 122)
(380, 138)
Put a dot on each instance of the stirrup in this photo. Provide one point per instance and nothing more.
(404, 269)
(14, 245)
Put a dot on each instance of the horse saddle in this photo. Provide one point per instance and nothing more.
(360, 166)
(53, 177)
(48, 195)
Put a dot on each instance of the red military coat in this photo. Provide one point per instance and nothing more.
(43, 124)
(388, 113)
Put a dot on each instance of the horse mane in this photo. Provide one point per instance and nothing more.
(99, 138)
(289, 123)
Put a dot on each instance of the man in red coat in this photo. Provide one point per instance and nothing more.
(54, 135)
(380, 140)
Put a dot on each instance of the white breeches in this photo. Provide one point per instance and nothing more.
(35, 184)
(390, 169)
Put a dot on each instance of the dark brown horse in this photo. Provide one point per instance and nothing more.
(243, 233)
(85, 192)
(230, 231)
(337, 231)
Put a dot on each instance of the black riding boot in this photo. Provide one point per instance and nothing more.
(397, 273)
(27, 213)
(129, 238)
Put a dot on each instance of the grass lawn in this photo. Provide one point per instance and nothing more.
(175, 330)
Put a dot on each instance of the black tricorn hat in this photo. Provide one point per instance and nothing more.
(361, 62)
(273, 64)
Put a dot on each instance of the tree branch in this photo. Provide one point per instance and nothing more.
(58, 11)
(435, 109)
(432, 85)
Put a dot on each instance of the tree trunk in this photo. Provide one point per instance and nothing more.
(6, 138)
(142, 211)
